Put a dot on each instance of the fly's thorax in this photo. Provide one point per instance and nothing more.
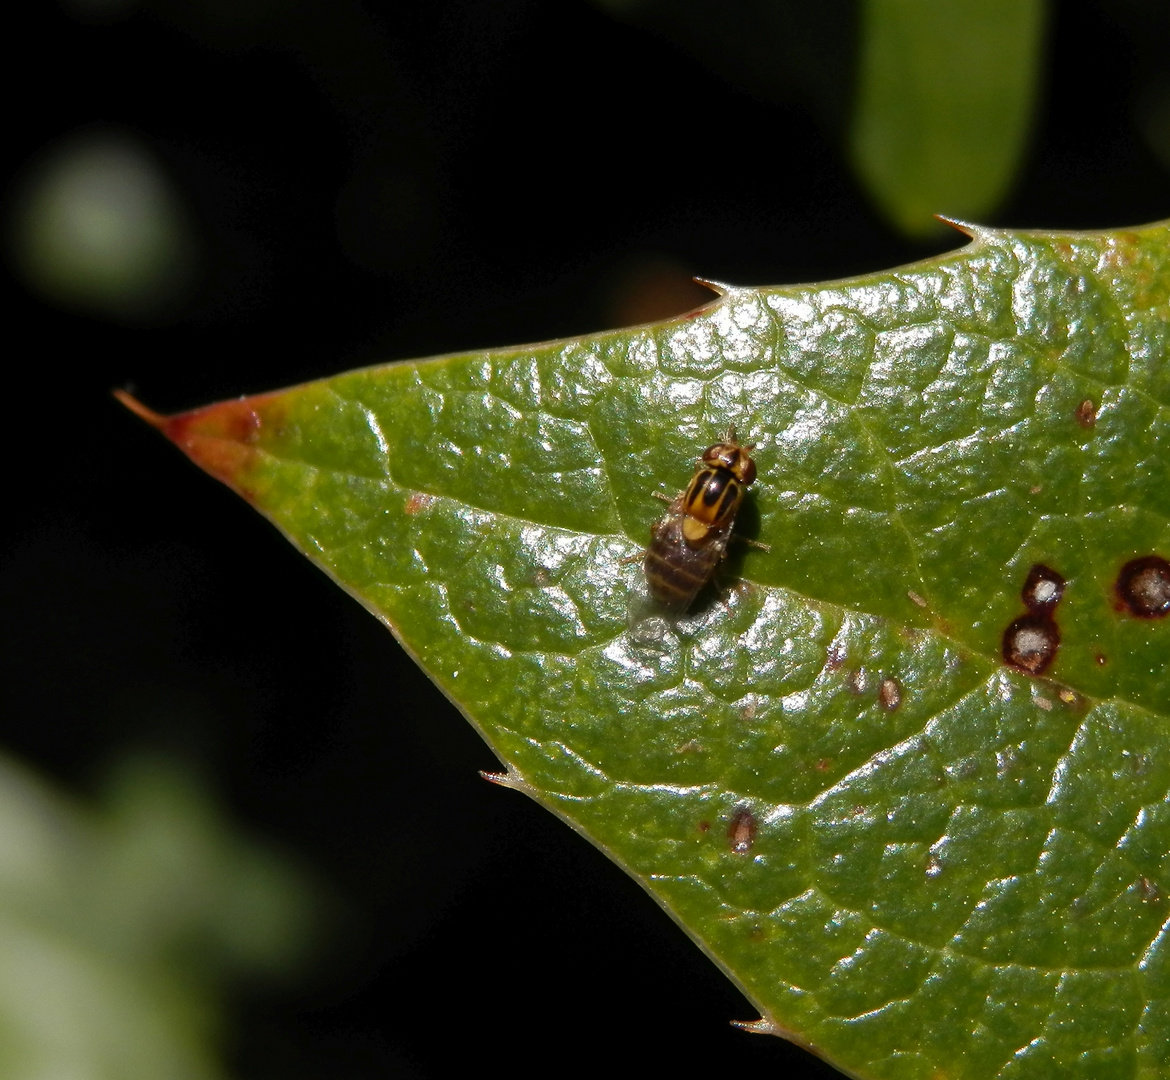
(712, 500)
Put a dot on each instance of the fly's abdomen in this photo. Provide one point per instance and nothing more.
(676, 571)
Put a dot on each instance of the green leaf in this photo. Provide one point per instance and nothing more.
(945, 100)
(914, 858)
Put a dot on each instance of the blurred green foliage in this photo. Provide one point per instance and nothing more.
(945, 100)
(121, 924)
(933, 102)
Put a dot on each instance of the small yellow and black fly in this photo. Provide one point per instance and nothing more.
(690, 541)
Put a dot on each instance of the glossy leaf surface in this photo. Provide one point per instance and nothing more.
(915, 859)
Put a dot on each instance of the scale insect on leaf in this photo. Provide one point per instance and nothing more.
(690, 541)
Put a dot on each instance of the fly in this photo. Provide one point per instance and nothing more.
(690, 541)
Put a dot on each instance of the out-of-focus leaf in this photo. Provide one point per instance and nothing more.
(914, 857)
(946, 94)
(118, 928)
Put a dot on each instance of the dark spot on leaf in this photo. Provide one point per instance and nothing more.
(1143, 586)
(1030, 643)
(742, 831)
(1043, 588)
(835, 656)
(704, 826)
(757, 933)
(890, 694)
(822, 765)
(1086, 414)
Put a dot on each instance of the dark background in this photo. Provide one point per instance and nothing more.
(370, 183)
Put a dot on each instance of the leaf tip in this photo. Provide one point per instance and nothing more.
(143, 412)
(219, 438)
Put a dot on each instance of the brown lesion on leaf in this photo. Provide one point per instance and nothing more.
(1087, 414)
(742, 830)
(1042, 589)
(890, 694)
(1143, 587)
(1031, 641)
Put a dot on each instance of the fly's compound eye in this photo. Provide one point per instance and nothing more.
(723, 455)
(711, 455)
